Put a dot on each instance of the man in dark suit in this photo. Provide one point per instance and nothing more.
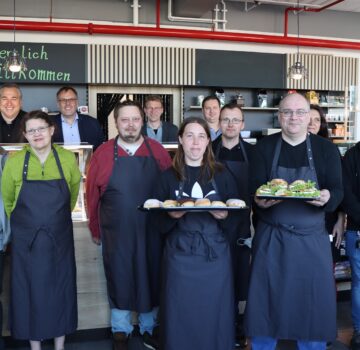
(154, 127)
(11, 113)
(71, 127)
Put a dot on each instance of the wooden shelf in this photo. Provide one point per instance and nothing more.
(260, 108)
(246, 108)
(331, 106)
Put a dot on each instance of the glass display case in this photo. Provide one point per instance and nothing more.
(83, 154)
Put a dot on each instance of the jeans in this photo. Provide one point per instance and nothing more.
(353, 254)
(121, 321)
(266, 343)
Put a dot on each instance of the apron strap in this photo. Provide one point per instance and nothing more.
(309, 156)
(292, 229)
(240, 144)
(26, 164)
(58, 163)
(116, 155)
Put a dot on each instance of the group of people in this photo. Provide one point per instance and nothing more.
(187, 275)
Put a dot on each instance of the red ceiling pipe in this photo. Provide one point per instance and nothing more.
(91, 28)
(306, 9)
(157, 13)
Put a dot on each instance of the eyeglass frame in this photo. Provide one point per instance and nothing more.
(297, 112)
(39, 130)
(234, 121)
(67, 100)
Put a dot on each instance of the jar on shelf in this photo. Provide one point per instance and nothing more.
(240, 100)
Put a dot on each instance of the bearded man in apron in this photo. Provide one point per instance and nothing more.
(292, 289)
(122, 175)
(231, 150)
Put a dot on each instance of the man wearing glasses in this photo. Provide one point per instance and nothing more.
(154, 127)
(121, 176)
(74, 128)
(11, 114)
(292, 290)
(231, 150)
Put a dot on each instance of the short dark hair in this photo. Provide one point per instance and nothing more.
(208, 98)
(127, 103)
(154, 98)
(11, 86)
(323, 131)
(233, 105)
(37, 114)
(65, 89)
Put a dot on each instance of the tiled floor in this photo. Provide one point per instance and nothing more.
(104, 343)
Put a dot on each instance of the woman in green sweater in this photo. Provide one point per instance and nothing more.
(40, 185)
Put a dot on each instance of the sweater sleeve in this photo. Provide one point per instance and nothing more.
(8, 188)
(74, 183)
(93, 192)
(351, 202)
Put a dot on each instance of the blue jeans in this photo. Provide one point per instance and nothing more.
(266, 343)
(121, 321)
(353, 254)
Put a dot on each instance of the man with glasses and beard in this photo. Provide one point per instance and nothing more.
(292, 291)
(122, 175)
(231, 150)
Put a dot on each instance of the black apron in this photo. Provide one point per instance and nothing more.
(197, 307)
(292, 289)
(43, 276)
(123, 230)
(240, 254)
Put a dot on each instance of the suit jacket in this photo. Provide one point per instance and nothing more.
(89, 129)
(169, 132)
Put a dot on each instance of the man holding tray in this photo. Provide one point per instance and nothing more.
(292, 290)
(122, 175)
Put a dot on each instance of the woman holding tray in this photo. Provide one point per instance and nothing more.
(197, 304)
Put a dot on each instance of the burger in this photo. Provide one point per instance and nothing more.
(169, 203)
(303, 188)
(202, 202)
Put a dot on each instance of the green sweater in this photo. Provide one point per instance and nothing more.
(11, 181)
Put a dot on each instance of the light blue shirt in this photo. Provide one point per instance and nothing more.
(71, 131)
(214, 134)
(150, 133)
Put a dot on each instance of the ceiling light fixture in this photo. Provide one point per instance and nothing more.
(15, 62)
(298, 71)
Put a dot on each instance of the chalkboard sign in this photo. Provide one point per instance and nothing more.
(240, 69)
(46, 63)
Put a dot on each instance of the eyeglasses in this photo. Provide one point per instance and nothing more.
(40, 130)
(231, 121)
(128, 120)
(288, 113)
(67, 100)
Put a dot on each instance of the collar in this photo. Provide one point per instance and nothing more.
(64, 121)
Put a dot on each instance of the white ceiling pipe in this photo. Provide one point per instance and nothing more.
(135, 5)
(189, 19)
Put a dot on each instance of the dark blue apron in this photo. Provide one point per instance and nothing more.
(43, 276)
(240, 254)
(292, 289)
(123, 230)
(197, 307)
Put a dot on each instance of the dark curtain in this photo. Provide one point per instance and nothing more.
(105, 105)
